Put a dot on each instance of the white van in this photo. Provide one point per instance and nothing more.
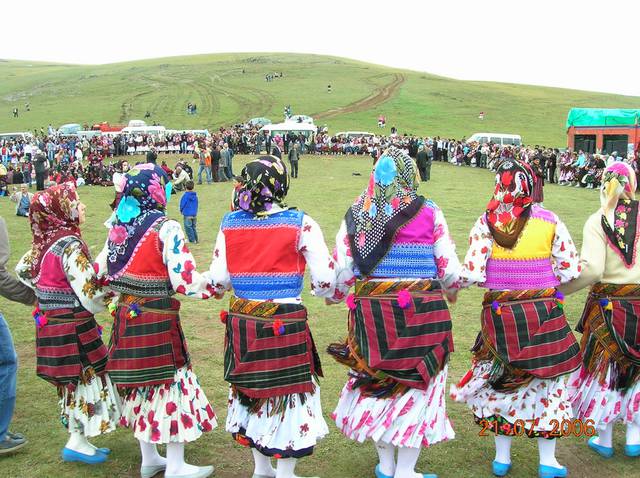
(144, 130)
(501, 139)
(354, 134)
(25, 136)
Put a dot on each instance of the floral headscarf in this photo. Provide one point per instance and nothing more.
(262, 183)
(53, 214)
(388, 203)
(511, 203)
(619, 207)
(145, 192)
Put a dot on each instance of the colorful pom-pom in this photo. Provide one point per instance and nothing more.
(112, 309)
(224, 315)
(278, 327)
(609, 306)
(351, 301)
(100, 328)
(495, 305)
(604, 302)
(404, 298)
(134, 311)
(559, 295)
(39, 318)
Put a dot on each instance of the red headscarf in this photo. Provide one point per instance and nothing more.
(53, 215)
(512, 196)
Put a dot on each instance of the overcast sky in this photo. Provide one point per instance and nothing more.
(584, 44)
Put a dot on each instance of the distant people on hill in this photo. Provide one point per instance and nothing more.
(15, 112)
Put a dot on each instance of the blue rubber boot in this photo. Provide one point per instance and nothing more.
(603, 451)
(545, 471)
(501, 469)
(632, 450)
(71, 455)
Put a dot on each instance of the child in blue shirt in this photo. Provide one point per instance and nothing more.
(189, 209)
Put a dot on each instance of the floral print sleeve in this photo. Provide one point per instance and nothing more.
(23, 270)
(181, 265)
(83, 280)
(345, 277)
(322, 267)
(218, 272)
(480, 245)
(445, 253)
(566, 261)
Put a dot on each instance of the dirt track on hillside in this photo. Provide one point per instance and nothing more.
(380, 95)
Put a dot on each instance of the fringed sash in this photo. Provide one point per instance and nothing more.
(610, 327)
(269, 352)
(399, 336)
(526, 335)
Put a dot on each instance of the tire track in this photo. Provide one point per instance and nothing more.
(379, 96)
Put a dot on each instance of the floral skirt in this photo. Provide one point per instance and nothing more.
(290, 433)
(592, 400)
(93, 408)
(542, 404)
(175, 413)
(416, 418)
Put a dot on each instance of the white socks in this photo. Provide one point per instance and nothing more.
(150, 455)
(77, 441)
(605, 436)
(633, 434)
(547, 451)
(175, 461)
(407, 459)
(386, 457)
(262, 464)
(286, 468)
(503, 449)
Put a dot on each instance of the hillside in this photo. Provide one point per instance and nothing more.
(414, 102)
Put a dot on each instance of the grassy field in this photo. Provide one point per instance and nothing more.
(230, 88)
(325, 189)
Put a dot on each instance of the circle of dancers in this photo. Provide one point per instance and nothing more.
(395, 266)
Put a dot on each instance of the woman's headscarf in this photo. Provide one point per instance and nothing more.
(388, 203)
(53, 214)
(509, 208)
(262, 183)
(620, 209)
(145, 192)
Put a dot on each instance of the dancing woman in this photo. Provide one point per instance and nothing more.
(606, 389)
(69, 350)
(394, 245)
(270, 358)
(521, 253)
(146, 260)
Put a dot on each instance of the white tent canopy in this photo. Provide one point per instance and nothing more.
(289, 127)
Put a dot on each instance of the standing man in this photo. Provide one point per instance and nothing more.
(152, 156)
(294, 157)
(10, 289)
(552, 163)
(215, 162)
(41, 166)
(421, 162)
(268, 142)
(226, 160)
(22, 199)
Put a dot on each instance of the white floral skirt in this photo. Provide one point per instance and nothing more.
(290, 433)
(602, 404)
(93, 408)
(416, 418)
(540, 403)
(175, 413)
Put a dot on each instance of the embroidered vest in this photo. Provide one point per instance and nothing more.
(262, 254)
(53, 289)
(411, 255)
(146, 274)
(528, 264)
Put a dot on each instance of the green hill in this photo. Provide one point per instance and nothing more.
(414, 102)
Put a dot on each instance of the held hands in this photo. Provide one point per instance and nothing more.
(452, 296)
